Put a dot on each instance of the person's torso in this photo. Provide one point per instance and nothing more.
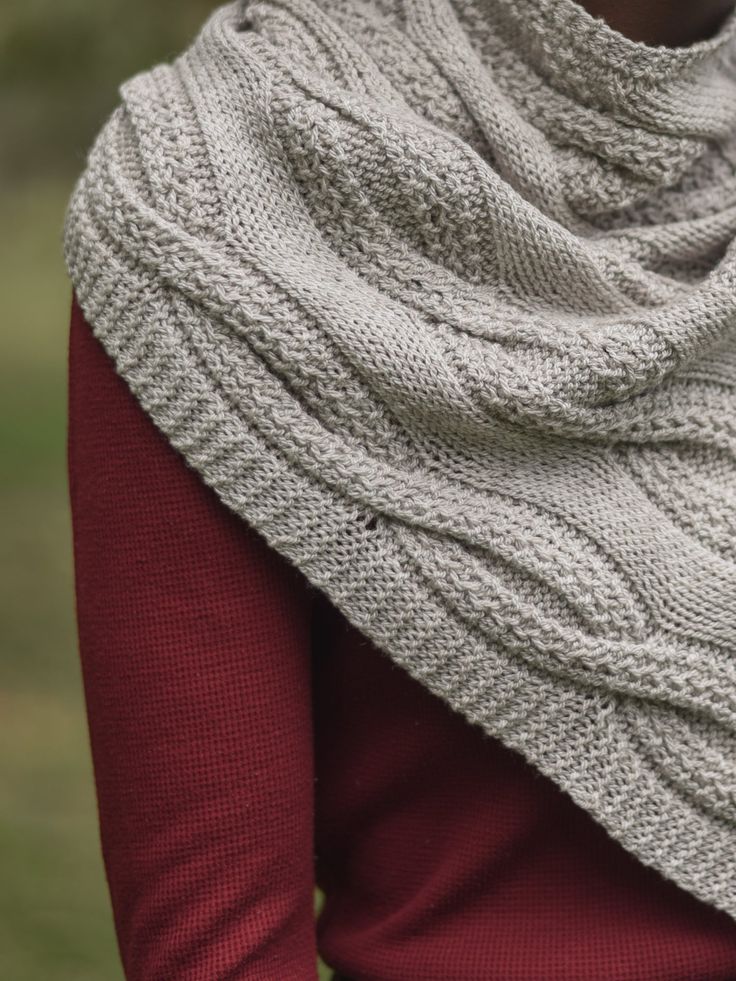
(445, 856)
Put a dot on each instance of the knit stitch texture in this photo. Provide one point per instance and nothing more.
(440, 296)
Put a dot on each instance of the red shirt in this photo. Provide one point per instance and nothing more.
(247, 741)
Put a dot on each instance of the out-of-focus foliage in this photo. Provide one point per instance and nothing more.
(61, 62)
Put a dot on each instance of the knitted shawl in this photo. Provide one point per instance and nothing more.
(440, 297)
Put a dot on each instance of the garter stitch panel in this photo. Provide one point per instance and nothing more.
(440, 296)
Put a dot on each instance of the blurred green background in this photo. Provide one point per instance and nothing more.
(60, 64)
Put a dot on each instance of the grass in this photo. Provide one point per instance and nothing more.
(55, 916)
(55, 919)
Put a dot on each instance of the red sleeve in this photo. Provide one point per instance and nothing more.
(194, 643)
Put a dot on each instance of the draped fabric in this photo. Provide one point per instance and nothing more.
(440, 296)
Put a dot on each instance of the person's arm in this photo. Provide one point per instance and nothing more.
(194, 643)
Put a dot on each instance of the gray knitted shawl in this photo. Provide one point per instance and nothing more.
(440, 296)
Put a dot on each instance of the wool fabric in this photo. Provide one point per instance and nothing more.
(249, 743)
(440, 296)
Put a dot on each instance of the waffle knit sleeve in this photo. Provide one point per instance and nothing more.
(194, 638)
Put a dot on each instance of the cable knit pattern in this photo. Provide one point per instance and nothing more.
(440, 296)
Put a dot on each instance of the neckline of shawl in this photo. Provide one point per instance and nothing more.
(688, 90)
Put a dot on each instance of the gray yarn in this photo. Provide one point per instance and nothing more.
(439, 295)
